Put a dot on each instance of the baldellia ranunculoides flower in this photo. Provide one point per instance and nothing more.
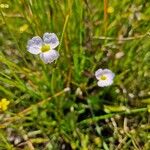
(44, 47)
(105, 77)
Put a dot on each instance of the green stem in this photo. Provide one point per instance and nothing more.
(107, 116)
(64, 28)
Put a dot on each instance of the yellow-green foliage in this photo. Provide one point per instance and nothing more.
(59, 105)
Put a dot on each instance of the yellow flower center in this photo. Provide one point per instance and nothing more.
(45, 48)
(103, 77)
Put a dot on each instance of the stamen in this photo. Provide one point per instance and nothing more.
(45, 48)
(103, 77)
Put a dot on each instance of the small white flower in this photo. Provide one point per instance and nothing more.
(45, 47)
(104, 77)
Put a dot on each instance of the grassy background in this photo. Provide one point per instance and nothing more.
(43, 114)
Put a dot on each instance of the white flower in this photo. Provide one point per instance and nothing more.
(45, 47)
(104, 77)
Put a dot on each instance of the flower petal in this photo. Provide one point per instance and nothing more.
(49, 56)
(51, 38)
(105, 72)
(110, 75)
(34, 45)
(98, 73)
(103, 83)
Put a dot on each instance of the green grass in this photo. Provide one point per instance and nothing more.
(43, 113)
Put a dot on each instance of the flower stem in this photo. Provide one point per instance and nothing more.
(64, 28)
